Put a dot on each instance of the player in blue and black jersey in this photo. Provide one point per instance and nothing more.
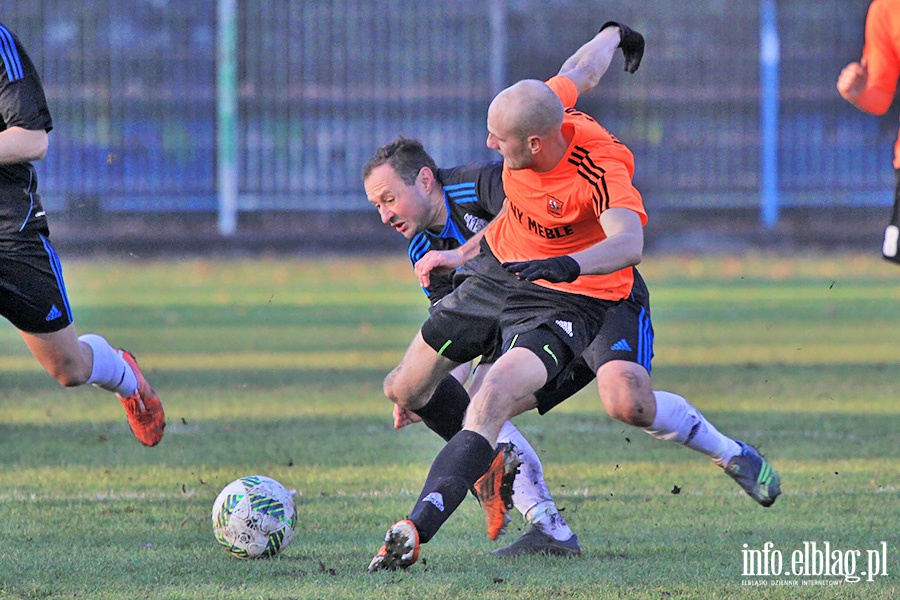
(32, 292)
(446, 210)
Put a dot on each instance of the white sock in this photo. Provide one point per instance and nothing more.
(677, 421)
(530, 494)
(109, 371)
(548, 519)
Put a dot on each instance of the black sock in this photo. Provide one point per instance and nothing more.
(444, 412)
(465, 458)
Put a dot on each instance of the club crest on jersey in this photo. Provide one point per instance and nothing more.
(554, 206)
(474, 223)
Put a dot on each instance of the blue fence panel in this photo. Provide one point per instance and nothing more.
(329, 82)
(322, 83)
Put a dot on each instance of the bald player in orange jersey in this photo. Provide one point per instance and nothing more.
(869, 85)
(560, 261)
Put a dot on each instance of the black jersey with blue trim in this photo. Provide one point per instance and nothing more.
(473, 195)
(22, 104)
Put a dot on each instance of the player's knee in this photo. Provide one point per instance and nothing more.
(626, 394)
(400, 392)
(631, 413)
(390, 388)
(388, 384)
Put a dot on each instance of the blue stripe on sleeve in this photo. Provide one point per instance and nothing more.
(418, 247)
(462, 192)
(10, 55)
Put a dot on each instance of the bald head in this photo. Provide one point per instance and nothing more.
(527, 108)
(525, 125)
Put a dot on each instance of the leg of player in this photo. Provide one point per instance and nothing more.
(626, 392)
(891, 245)
(424, 385)
(74, 361)
(67, 361)
(414, 381)
(547, 532)
(465, 458)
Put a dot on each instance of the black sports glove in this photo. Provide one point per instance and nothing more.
(632, 45)
(555, 270)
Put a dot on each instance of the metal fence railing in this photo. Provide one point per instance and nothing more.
(321, 83)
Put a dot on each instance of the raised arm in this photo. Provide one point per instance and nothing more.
(590, 62)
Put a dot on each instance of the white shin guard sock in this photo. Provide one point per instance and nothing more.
(678, 421)
(530, 494)
(109, 371)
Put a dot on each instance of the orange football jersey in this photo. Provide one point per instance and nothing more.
(557, 212)
(882, 51)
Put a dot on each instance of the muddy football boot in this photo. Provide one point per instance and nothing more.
(535, 541)
(400, 549)
(755, 475)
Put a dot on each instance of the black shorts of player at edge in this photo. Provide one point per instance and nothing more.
(891, 249)
(32, 291)
(895, 211)
(467, 324)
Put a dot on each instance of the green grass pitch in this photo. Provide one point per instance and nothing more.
(274, 367)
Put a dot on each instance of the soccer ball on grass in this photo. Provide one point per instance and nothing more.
(254, 517)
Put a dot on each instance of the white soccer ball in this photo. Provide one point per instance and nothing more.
(254, 517)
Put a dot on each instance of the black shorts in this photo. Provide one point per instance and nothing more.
(491, 302)
(895, 213)
(626, 334)
(573, 318)
(465, 324)
(32, 290)
(538, 311)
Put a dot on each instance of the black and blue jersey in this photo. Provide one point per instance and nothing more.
(473, 195)
(22, 104)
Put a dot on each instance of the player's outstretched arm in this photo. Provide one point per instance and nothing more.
(446, 261)
(590, 62)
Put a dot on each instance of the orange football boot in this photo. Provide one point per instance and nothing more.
(494, 489)
(400, 548)
(145, 411)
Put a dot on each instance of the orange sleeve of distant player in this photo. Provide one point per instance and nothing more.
(565, 89)
(882, 47)
(882, 55)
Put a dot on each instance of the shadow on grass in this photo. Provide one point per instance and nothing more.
(331, 441)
